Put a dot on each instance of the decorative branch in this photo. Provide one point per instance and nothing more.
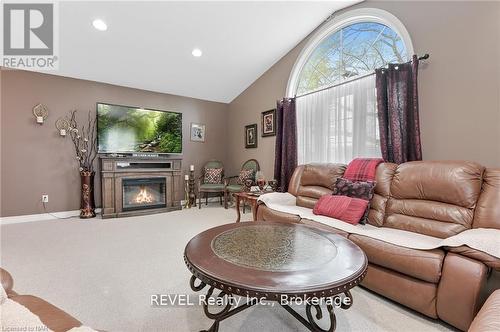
(84, 142)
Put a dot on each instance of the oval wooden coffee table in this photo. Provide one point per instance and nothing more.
(275, 261)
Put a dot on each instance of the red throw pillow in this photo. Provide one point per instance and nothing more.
(348, 209)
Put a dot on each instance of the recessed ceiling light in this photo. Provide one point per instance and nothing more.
(197, 52)
(100, 25)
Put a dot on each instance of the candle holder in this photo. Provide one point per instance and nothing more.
(273, 184)
(192, 194)
(62, 125)
(41, 112)
(187, 202)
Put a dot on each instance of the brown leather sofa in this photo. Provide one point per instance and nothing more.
(50, 315)
(488, 318)
(435, 198)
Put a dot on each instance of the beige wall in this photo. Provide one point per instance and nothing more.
(459, 84)
(459, 107)
(36, 160)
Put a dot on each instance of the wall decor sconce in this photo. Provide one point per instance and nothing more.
(41, 113)
(62, 125)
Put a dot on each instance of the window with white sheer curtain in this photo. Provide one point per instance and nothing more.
(336, 96)
(338, 124)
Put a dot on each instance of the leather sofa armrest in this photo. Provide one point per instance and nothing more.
(7, 281)
(489, 260)
(488, 318)
(458, 295)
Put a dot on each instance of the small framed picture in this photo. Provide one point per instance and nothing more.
(251, 136)
(269, 123)
(197, 132)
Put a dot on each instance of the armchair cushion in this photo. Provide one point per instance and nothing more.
(234, 188)
(246, 174)
(212, 187)
(213, 176)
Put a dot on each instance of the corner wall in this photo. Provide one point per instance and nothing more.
(36, 160)
(459, 85)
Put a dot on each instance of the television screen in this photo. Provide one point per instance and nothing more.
(122, 129)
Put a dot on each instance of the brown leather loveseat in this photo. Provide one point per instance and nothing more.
(434, 198)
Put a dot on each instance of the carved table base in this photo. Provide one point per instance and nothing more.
(227, 312)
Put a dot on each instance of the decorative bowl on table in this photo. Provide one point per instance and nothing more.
(261, 183)
(248, 184)
(273, 184)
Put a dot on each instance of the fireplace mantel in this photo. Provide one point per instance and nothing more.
(116, 170)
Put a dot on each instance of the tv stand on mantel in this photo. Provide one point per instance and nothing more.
(132, 186)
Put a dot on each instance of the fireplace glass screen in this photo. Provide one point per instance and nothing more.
(141, 194)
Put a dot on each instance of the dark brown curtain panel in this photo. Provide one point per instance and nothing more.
(285, 160)
(397, 109)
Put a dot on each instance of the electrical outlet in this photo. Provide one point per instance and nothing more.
(45, 198)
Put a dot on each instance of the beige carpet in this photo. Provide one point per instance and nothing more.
(104, 271)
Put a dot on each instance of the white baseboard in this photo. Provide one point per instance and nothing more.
(65, 214)
(40, 217)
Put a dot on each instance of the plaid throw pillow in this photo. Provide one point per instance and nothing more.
(356, 189)
(244, 175)
(213, 176)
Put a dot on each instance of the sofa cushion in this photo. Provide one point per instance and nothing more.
(344, 208)
(383, 179)
(487, 213)
(315, 181)
(323, 175)
(421, 264)
(324, 227)
(435, 198)
(314, 191)
(53, 317)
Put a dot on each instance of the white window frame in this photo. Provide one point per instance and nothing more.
(338, 22)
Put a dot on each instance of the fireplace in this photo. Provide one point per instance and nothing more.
(134, 186)
(143, 193)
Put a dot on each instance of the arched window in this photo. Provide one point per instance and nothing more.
(335, 87)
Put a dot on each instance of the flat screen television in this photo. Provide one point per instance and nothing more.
(124, 129)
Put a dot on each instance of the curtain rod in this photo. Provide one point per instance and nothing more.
(423, 57)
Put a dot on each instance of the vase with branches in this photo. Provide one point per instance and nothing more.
(84, 140)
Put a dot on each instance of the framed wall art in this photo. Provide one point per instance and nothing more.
(251, 136)
(269, 123)
(197, 132)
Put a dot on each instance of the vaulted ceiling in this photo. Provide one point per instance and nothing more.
(148, 45)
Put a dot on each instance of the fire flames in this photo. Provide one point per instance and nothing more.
(143, 197)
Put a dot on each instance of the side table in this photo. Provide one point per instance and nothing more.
(246, 198)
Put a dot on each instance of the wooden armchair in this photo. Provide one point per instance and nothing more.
(230, 183)
(207, 188)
